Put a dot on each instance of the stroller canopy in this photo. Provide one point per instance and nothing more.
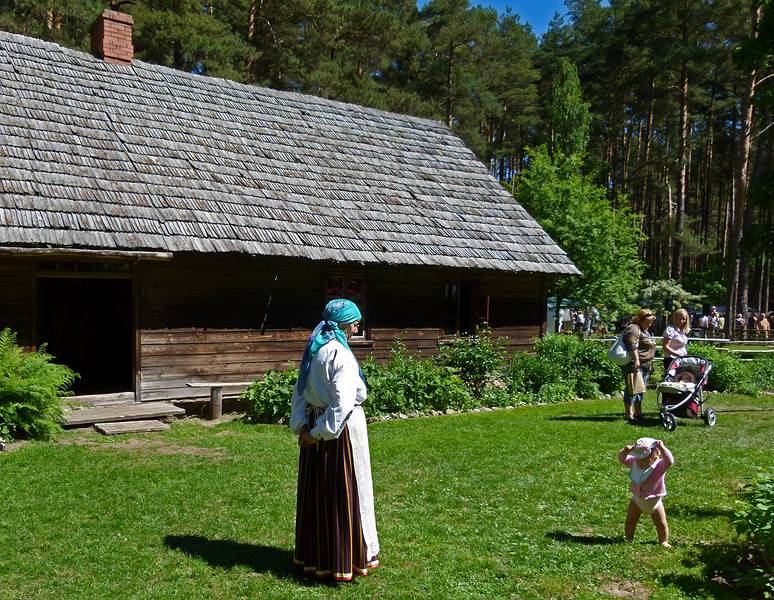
(688, 369)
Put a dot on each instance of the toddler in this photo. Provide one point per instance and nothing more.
(648, 461)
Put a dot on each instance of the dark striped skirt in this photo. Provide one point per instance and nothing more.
(329, 535)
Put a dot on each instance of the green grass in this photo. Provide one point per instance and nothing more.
(522, 503)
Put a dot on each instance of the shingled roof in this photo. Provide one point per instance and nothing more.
(143, 157)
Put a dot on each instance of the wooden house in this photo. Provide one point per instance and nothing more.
(159, 228)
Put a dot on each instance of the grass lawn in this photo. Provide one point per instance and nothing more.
(521, 503)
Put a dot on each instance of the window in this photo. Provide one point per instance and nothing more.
(456, 308)
(351, 287)
(450, 308)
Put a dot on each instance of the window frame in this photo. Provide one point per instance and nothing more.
(344, 276)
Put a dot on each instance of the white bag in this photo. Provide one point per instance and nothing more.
(618, 352)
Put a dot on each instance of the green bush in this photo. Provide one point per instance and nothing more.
(406, 383)
(31, 387)
(586, 387)
(556, 391)
(754, 521)
(579, 367)
(526, 373)
(580, 361)
(475, 358)
(269, 399)
(497, 395)
(728, 374)
(762, 372)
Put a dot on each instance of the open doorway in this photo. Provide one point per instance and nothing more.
(87, 324)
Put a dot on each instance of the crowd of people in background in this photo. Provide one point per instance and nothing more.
(709, 323)
(584, 320)
(757, 325)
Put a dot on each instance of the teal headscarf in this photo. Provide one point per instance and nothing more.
(337, 312)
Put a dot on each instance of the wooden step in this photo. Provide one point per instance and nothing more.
(122, 412)
(130, 427)
(100, 399)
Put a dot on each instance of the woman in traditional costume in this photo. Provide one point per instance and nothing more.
(335, 524)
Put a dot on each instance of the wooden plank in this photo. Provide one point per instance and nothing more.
(130, 427)
(743, 351)
(205, 384)
(185, 394)
(123, 412)
(405, 334)
(149, 362)
(204, 370)
(234, 347)
(182, 380)
(189, 336)
(103, 399)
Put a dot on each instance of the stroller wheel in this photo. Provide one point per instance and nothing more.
(668, 421)
(710, 418)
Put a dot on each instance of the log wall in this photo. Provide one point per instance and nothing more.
(17, 298)
(173, 358)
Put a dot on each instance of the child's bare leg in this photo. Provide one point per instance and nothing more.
(632, 518)
(662, 528)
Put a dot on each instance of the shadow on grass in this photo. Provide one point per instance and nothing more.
(705, 513)
(715, 580)
(564, 536)
(643, 421)
(228, 554)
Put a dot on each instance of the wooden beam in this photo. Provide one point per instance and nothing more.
(136, 330)
(73, 252)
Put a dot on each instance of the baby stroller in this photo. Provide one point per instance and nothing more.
(681, 394)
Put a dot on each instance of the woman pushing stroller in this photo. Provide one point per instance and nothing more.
(675, 337)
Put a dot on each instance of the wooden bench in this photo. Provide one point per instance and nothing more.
(216, 394)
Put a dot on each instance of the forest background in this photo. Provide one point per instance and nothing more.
(638, 132)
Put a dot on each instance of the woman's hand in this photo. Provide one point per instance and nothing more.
(305, 438)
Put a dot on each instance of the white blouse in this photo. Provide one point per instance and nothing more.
(333, 390)
(677, 341)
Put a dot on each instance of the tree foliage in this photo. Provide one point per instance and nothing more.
(568, 113)
(600, 240)
(656, 295)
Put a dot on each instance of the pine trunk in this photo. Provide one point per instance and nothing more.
(682, 178)
(733, 265)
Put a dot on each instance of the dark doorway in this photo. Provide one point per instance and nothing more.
(87, 324)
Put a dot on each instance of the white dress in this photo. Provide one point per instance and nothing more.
(334, 394)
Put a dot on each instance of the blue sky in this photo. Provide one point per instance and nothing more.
(538, 13)
(535, 12)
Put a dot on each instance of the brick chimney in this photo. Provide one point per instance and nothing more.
(111, 37)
